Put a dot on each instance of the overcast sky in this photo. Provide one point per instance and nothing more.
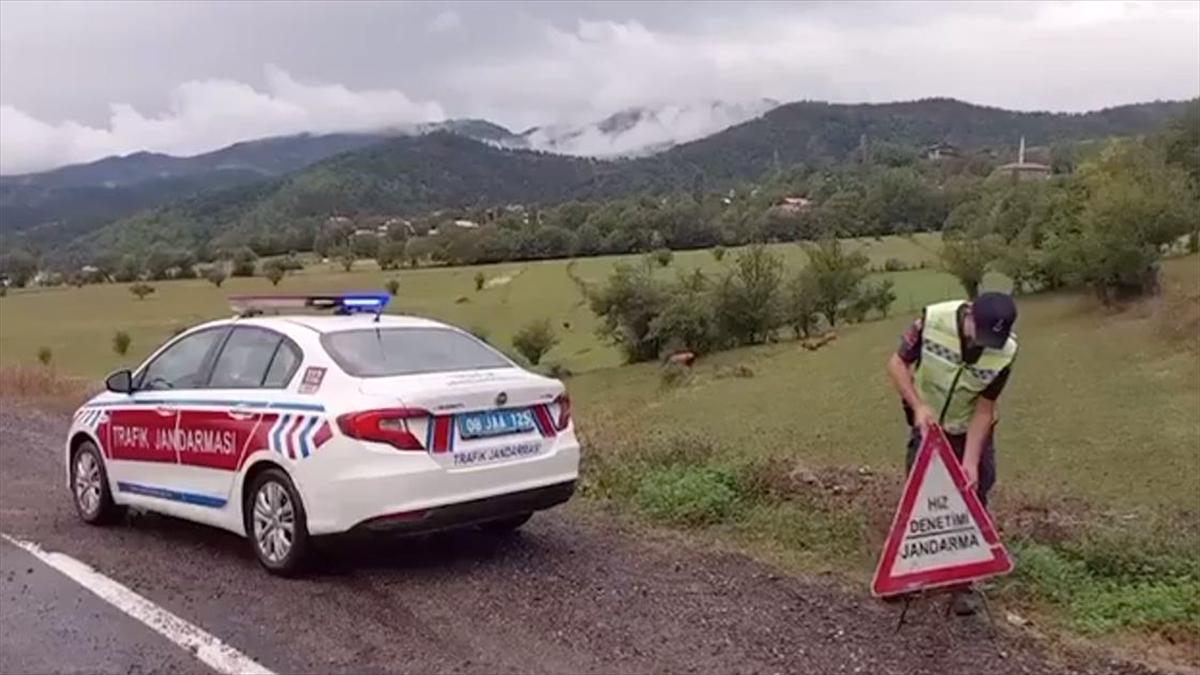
(83, 80)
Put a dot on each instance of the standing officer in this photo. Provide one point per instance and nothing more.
(951, 366)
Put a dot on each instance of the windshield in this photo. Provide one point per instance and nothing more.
(383, 352)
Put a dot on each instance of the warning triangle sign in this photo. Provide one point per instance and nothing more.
(941, 534)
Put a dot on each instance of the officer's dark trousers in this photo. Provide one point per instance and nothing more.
(987, 461)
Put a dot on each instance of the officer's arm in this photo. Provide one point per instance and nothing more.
(902, 380)
(977, 433)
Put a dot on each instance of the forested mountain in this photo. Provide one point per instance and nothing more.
(49, 208)
(408, 176)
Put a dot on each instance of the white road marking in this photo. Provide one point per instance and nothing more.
(206, 647)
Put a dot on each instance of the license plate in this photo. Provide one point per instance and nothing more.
(495, 423)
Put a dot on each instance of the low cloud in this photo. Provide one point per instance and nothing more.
(445, 21)
(205, 115)
(645, 129)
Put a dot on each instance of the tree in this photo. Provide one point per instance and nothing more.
(748, 302)
(215, 274)
(274, 272)
(121, 342)
(718, 253)
(128, 269)
(627, 305)
(243, 262)
(480, 280)
(1137, 206)
(45, 355)
(392, 286)
(141, 290)
(534, 340)
(663, 256)
(390, 254)
(967, 257)
(687, 321)
(20, 266)
(837, 275)
(347, 258)
(801, 310)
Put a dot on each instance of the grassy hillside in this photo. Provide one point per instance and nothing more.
(798, 455)
(516, 293)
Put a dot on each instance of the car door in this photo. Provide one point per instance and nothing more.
(143, 455)
(216, 427)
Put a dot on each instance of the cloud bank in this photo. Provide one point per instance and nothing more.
(205, 115)
(524, 64)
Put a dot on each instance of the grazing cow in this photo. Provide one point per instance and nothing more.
(682, 358)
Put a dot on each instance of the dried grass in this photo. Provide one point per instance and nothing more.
(43, 386)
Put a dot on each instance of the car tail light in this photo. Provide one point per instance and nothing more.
(564, 411)
(388, 425)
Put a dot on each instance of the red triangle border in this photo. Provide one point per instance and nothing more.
(884, 585)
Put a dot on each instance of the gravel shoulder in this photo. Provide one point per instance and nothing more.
(571, 593)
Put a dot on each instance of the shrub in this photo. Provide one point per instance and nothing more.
(718, 253)
(141, 290)
(215, 275)
(392, 286)
(627, 304)
(274, 272)
(748, 302)
(45, 355)
(244, 261)
(534, 340)
(121, 342)
(3, 290)
(347, 259)
(663, 256)
(691, 496)
(480, 280)
(894, 265)
(800, 308)
(836, 276)
(687, 321)
(879, 297)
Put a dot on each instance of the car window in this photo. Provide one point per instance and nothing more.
(407, 351)
(182, 365)
(244, 359)
(283, 365)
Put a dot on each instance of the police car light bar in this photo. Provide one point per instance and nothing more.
(345, 303)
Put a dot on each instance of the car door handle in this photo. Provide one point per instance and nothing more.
(240, 412)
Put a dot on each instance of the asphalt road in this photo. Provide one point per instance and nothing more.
(568, 594)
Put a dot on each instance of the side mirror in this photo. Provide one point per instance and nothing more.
(120, 382)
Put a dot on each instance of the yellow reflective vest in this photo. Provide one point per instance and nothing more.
(947, 384)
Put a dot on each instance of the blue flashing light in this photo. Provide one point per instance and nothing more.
(344, 303)
(354, 303)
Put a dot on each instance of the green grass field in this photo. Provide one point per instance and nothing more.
(78, 324)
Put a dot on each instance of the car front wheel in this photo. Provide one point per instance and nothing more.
(276, 523)
(89, 487)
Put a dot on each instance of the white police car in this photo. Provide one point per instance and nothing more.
(280, 428)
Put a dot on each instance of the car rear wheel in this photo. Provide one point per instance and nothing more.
(89, 487)
(508, 524)
(276, 523)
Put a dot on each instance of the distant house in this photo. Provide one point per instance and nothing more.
(1021, 169)
(941, 150)
(794, 204)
